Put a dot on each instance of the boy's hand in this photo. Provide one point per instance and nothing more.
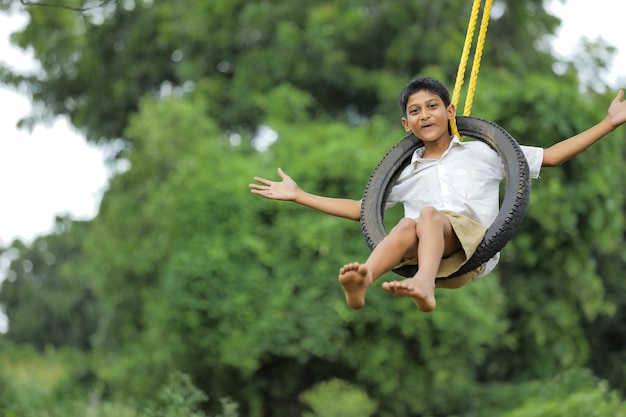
(617, 110)
(273, 190)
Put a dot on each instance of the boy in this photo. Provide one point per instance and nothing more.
(450, 197)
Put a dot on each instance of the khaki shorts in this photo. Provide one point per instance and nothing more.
(470, 234)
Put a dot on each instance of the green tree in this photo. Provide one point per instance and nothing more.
(574, 393)
(337, 398)
(247, 47)
(190, 273)
(48, 294)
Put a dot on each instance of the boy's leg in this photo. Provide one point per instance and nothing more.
(436, 240)
(355, 278)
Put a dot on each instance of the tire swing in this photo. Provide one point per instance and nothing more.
(512, 208)
(517, 191)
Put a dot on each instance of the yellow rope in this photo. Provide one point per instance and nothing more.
(466, 50)
(477, 57)
(469, 37)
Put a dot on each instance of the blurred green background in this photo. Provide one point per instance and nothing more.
(188, 296)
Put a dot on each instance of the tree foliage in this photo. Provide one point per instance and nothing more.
(183, 272)
(48, 295)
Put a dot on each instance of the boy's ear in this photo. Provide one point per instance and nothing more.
(405, 123)
(451, 111)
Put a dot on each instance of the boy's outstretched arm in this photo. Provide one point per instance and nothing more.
(288, 190)
(567, 149)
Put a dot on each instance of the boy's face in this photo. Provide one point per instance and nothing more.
(427, 117)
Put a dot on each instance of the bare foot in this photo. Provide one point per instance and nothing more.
(355, 279)
(422, 292)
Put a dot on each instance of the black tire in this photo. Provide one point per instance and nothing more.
(512, 209)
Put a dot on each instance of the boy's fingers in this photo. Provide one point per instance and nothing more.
(262, 180)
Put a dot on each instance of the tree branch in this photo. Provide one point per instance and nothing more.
(61, 6)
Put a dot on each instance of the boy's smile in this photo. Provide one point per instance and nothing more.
(428, 118)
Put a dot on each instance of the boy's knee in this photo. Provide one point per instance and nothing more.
(429, 214)
(406, 225)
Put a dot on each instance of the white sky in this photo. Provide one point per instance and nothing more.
(53, 171)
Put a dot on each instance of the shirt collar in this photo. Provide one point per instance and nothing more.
(419, 152)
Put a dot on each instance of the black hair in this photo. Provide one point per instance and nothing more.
(429, 84)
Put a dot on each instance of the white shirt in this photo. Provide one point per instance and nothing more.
(465, 180)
